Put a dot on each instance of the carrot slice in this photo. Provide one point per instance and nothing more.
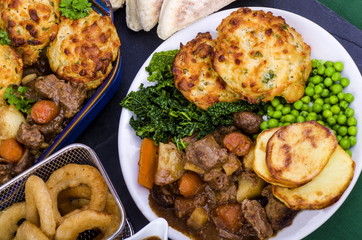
(190, 184)
(147, 163)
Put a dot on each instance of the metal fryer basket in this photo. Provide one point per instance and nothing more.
(13, 191)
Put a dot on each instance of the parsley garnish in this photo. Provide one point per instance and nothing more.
(17, 98)
(75, 9)
(4, 38)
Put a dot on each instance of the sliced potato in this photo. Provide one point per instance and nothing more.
(170, 164)
(259, 163)
(10, 120)
(249, 186)
(298, 152)
(325, 189)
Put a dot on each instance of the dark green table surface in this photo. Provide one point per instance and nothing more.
(102, 133)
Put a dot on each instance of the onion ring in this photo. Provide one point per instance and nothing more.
(9, 219)
(77, 223)
(73, 175)
(66, 206)
(39, 206)
(28, 231)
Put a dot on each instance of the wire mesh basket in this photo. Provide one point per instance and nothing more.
(13, 191)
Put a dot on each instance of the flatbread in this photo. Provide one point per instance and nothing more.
(148, 13)
(177, 14)
(132, 17)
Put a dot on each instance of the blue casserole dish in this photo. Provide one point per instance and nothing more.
(95, 104)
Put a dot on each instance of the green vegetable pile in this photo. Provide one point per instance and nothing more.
(324, 101)
(17, 97)
(162, 112)
(75, 9)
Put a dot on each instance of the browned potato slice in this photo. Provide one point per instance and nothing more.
(325, 189)
(259, 163)
(298, 152)
(170, 164)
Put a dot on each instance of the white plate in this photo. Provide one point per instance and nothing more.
(324, 46)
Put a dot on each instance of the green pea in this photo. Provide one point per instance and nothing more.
(319, 101)
(289, 118)
(333, 99)
(349, 97)
(310, 118)
(273, 123)
(326, 106)
(321, 69)
(275, 102)
(331, 121)
(303, 113)
(335, 127)
(352, 140)
(310, 85)
(336, 76)
(305, 99)
(317, 79)
(309, 91)
(264, 125)
(328, 63)
(305, 107)
(286, 110)
(339, 138)
(300, 119)
(345, 143)
(282, 119)
(328, 82)
(318, 89)
(327, 113)
(294, 112)
(344, 104)
(352, 121)
(316, 107)
(341, 95)
(336, 88)
(298, 104)
(279, 107)
(329, 71)
(349, 152)
(341, 119)
(286, 124)
(270, 113)
(325, 92)
(349, 112)
(335, 109)
(344, 82)
(352, 131)
(277, 114)
(321, 122)
(338, 66)
(342, 131)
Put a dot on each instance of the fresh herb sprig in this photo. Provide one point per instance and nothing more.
(4, 38)
(163, 113)
(75, 9)
(17, 98)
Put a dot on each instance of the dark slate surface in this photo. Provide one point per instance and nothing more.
(101, 134)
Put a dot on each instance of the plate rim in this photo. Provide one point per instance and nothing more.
(174, 234)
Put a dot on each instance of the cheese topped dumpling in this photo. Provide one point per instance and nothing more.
(31, 25)
(195, 77)
(84, 49)
(260, 56)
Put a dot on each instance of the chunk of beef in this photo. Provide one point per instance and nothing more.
(54, 127)
(29, 135)
(221, 131)
(6, 173)
(206, 153)
(165, 195)
(279, 215)
(248, 122)
(185, 206)
(217, 179)
(70, 96)
(254, 213)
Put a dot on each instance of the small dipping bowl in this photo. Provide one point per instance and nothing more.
(157, 229)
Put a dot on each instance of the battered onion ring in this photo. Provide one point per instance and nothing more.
(67, 206)
(39, 206)
(77, 223)
(28, 231)
(73, 175)
(9, 219)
